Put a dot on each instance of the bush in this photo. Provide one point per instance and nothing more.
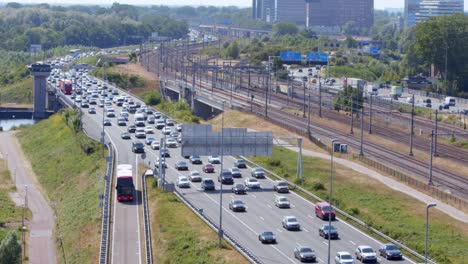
(318, 186)
(10, 249)
(153, 98)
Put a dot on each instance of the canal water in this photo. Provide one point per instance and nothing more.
(7, 124)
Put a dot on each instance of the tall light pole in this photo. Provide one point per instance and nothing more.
(220, 230)
(331, 195)
(427, 228)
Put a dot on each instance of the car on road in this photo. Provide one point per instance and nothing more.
(151, 120)
(140, 133)
(214, 159)
(344, 258)
(131, 129)
(282, 202)
(160, 124)
(291, 223)
(252, 183)
(235, 172)
(165, 153)
(149, 140)
(155, 144)
(326, 230)
(304, 254)
(390, 251)
(195, 159)
(166, 130)
(195, 176)
(107, 122)
(157, 115)
(149, 130)
(240, 163)
(121, 121)
(258, 172)
(138, 147)
(208, 184)
(267, 237)
(281, 187)
(181, 165)
(323, 210)
(124, 114)
(225, 177)
(85, 104)
(239, 188)
(163, 163)
(366, 254)
(125, 135)
(169, 122)
(183, 182)
(179, 128)
(237, 205)
(208, 168)
(171, 143)
(92, 110)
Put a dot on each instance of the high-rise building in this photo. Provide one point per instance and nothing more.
(290, 11)
(430, 8)
(263, 10)
(411, 8)
(331, 13)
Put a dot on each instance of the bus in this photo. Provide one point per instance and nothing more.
(66, 86)
(125, 188)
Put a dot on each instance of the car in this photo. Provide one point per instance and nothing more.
(157, 115)
(92, 110)
(195, 176)
(151, 120)
(225, 177)
(239, 188)
(169, 122)
(240, 163)
(281, 187)
(138, 147)
(131, 129)
(179, 128)
(166, 130)
(125, 135)
(149, 130)
(107, 122)
(282, 202)
(181, 165)
(110, 112)
(237, 205)
(267, 237)
(304, 254)
(162, 161)
(365, 254)
(160, 124)
(195, 159)
(235, 172)
(258, 172)
(344, 258)
(291, 223)
(252, 183)
(149, 111)
(155, 144)
(171, 143)
(121, 121)
(124, 114)
(183, 182)
(323, 210)
(326, 230)
(140, 133)
(165, 153)
(214, 159)
(390, 251)
(84, 104)
(149, 140)
(174, 134)
(208, 184)
(208, 168)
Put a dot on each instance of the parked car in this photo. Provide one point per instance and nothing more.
(195, 159)
(390, 251)
(138, 147)
(282, 202)
(326, 230)
(291, 223)
(344, 258)
(237, 205)
(208, 168)
(208, 184)
(195, 176)
(304, 254)
(183, 182)
(366, 254)
(258, 172)
(267, 237)
(214, 159)
(281, 187)
(225, 177)
(252, 183)
(240, 163)
(323, 210)
(181, 165)
(235, 172)
(238, 188)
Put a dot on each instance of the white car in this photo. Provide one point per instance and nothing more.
(344, 258)
(366, 254)
(252, 183)
(149, 130)
(183, 182)
(282, 202)
(291, 223)
(171, 143)
(195, 176)
(214, 159)
(140, 133)
(166, 130)
(155, 144)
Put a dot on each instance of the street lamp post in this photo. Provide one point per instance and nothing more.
(427, 228)
(220, 230)
(331, 195)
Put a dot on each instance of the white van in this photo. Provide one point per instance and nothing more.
(450, 101)
(139, 119)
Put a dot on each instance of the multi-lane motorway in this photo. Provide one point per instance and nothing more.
(261, 215)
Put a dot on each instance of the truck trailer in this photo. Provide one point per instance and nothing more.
(125, 188)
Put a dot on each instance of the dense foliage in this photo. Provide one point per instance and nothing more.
(10, 249)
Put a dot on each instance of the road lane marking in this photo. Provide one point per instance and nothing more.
(262, 218)
(352, 242)
(269, 206)
(292, 205)
(298, 244)
(310, 216)
(137, 208)
(283, 254)
(321, 260)
(279, 230)
(325, 243)
(305, 229)
(254, 196)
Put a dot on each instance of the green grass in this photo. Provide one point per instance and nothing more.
(180, 236)
(72, 181)
(88, 60)
(20, 92)
(391, 212)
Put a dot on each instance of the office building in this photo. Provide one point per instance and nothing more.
(430, 8)
(411, 8)
(290, 11)
(263, 10)
(332, 13)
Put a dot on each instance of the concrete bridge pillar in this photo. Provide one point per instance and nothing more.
(40, 72)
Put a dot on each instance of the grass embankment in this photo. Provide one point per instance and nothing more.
(20, 92)
(394, 213)
(69, 168)
(179, 236)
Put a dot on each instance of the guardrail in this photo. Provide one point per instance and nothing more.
(105, 231)
(147, 225)
(343, 213)
(211, 223)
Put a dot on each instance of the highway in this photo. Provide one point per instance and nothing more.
(261, 213)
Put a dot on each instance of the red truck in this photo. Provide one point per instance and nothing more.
(66, 86)
(125, 187)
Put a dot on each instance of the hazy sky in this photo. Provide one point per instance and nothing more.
(379, 4)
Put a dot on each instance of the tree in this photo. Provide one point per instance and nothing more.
(10, 249)
(283, 28)
(351, 42)
(232, 50)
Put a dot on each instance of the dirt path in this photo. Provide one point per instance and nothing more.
(41, 241)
